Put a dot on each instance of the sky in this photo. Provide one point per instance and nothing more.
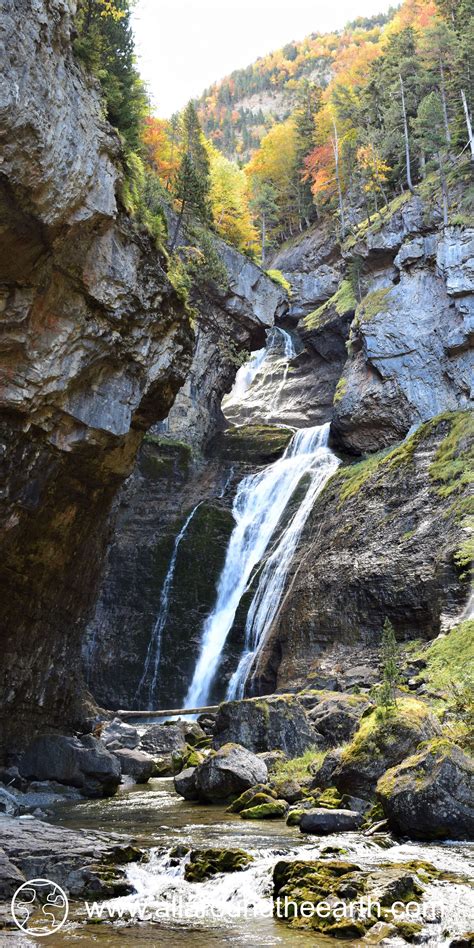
(183, 46)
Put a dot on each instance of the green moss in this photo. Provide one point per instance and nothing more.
(272, 810)
(453, 474)
(209, 862)
(408, 930)
(378, 729)
(249, 797)
(373, 304)
(277, 277)
(343, 301)
(294, 817)
(341, 389)
(260, 444)
(299, 767)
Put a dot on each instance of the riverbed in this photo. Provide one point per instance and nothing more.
(235, 908)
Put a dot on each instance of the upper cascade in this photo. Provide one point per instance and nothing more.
(260, 393)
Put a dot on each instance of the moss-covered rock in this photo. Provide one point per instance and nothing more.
(430, 795)
(253, 444)
(252, 797)
(266, 810)
(382, 740)
(262, 724)
(205, 863)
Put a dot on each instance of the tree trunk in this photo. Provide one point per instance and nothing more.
(338, 179)
(444, 190)
(442, 89)
(264, 237)
(468, 123)
(405, 132)
(178, 226)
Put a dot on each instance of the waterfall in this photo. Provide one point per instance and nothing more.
(269, 593)
(258, 509)
(154, 647)
(253, 377)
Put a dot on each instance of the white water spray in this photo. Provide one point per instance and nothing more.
(154, 648)
(259, 505)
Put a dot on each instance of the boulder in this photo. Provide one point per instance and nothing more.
(136, 764)
(10, 877)
(263, 724)
(336, 717)
(8, 803)
(78, 762)
(287, 789)
(322, 775)
(164, 739)
(381, 741)
(430, 795)
(272, 759)
(120, 734)
(228, 772)
(185, 784)
(266, 810)
(261, 793)
(322, 821)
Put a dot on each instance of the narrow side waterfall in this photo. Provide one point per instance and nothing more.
(259, 505)
(152, 661)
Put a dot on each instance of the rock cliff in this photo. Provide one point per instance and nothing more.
(94, 346)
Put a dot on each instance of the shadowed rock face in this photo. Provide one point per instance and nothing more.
(93, 348)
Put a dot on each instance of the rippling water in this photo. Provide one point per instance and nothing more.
(159, 820)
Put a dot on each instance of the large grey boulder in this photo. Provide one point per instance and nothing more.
(228, 772)
(164, 739)
(135, 763)
(185, 784)
(78, 762)
(321, 821)
(118, 733)
(264, 724)
(430, 795)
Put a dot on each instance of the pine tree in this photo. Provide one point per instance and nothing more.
(193, 181)
(430, 131)
(386, 694)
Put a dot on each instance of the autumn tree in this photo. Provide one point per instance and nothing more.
(229, 197)
(374, 173)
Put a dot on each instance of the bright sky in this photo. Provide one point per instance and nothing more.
(183, 46)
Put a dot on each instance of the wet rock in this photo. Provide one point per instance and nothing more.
(85, 864)
(120, 734)
(381, 741)
(78, 762)
(205, 863)
(185, 784)
(322, 821)
(261, 724)
(266, 810)
(10, 877)
(136, 764)
(261, 793)
(430, 795)
(228, 772)
(336, 717)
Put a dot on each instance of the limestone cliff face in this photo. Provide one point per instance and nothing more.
(94, 346)
(382, 541)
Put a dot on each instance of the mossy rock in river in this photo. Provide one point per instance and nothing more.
(252, 797)
(204, 863)
(298, 886)
(270, 810)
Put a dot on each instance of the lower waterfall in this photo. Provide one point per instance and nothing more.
(258, 510)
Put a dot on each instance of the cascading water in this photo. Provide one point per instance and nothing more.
(154, 648)
(259, 506)
(271, 584)
(260, 382)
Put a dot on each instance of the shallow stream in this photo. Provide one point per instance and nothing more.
(235, 908)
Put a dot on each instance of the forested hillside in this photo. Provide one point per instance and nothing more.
(352, 120)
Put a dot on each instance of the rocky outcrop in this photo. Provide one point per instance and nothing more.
(385, 539)
(86, 865)
(263, 724)
(312, 265)
(430, 794)
(412, 334)
(94, 346)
